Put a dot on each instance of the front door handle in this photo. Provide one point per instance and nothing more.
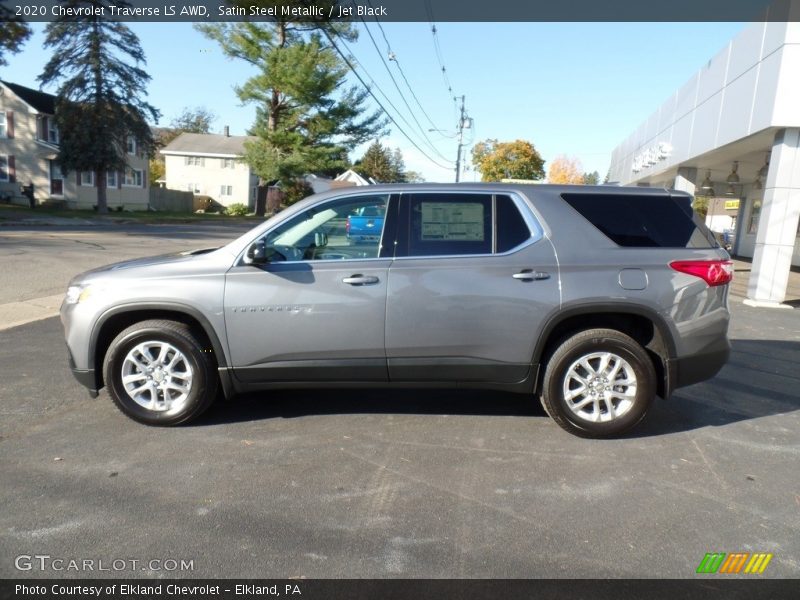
(359, 279)
(531, 275)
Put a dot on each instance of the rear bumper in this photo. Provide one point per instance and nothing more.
(695, 368)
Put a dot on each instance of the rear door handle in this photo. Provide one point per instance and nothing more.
(359, 279)
(531, 275)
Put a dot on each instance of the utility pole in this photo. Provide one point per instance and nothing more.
(462, 122)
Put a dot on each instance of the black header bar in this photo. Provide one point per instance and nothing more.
(426, 10)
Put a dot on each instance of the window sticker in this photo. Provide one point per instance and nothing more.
(448, 221)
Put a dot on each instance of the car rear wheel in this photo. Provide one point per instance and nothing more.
(158, 372)
(598, 383)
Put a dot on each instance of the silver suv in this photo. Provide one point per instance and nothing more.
(595, 299)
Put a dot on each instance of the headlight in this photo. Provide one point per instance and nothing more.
(77, 293)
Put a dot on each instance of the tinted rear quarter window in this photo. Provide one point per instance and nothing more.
(641, 221)
(511, 227)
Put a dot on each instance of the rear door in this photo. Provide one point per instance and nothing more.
(472, 279)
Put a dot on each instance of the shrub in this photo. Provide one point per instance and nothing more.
(296, 190)
(237, 210)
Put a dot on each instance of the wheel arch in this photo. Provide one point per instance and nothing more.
(116, 319)
(643, 324)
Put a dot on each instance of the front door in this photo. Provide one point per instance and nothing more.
(316, 310)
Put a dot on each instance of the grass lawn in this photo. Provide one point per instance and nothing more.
(14, 212)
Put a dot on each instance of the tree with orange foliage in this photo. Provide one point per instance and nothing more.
(507, 160)
(565, 169)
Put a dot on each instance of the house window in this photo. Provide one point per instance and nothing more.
(755, 213)
(56, 179)
(52, 131)
(228, 163)
(195, 161)
(4, 168)
(3, 128)
(132, 178)
(131, 145)
(87, 178)
(111, 179)
(193, 187)
(226, 190)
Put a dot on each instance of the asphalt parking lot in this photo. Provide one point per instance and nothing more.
(380, 484)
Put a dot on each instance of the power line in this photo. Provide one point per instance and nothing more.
(369, 91)
(384, 94)
(402, 96)
(393, 57)
(438, 50)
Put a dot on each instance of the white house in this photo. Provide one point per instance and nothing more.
(210, 165)
(29, 146)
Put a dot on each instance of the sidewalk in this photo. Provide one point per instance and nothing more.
(743, 267)
(13, 314)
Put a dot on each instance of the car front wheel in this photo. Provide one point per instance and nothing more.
(159, 373)
(598, 383)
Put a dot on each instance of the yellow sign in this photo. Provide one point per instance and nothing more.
(731, 205)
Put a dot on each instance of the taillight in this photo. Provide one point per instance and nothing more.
(347, 226)
(713, 272)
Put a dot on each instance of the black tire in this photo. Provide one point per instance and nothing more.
(196, 359)
(584, 345)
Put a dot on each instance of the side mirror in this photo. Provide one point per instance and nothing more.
(257, 253)
(320, 239)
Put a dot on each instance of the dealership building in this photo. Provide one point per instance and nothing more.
(732, 133)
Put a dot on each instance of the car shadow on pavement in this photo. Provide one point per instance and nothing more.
(761, 379)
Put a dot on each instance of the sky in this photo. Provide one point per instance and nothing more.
(575, 89)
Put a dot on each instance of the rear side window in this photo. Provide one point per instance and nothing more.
(450, 224)
(641, 221)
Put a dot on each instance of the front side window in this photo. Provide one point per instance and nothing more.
(131, 145)
(228, 163)
(111, 179)
(348, 228)
(226, 190)
(87, 178)
(4, 168)
(3, 125)
(195, 161)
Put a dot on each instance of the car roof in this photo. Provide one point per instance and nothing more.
(489, 187)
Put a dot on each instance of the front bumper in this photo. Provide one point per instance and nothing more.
(86, 377)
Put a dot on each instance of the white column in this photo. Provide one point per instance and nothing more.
(686, 180)
(777, 226)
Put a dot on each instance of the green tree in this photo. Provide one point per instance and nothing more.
(99, 103)
(507, 160)
(382, 164)
(307, 119)
(592, 178)
(194, 120)
(13, 33)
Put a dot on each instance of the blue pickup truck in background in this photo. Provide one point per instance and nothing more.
(365, 224)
